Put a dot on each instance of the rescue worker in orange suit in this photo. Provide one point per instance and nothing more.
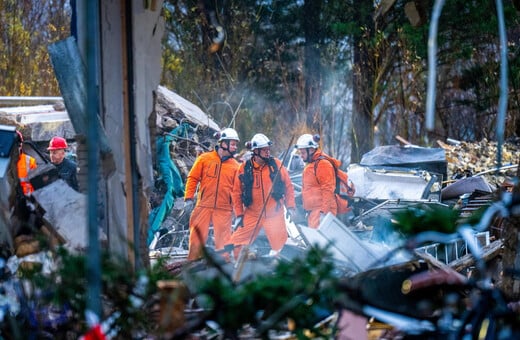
(214, 172)
(24, 218)
(251, 191)
(67, 169)
(25, 165)
(318, 181)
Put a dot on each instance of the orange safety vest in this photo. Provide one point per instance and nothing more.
(25, 164)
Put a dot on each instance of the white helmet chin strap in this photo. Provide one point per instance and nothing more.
(309, 155)
(255, 153)
(232, 153)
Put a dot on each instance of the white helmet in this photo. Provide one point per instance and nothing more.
(260, 141)
(228, 133)
(307, 141)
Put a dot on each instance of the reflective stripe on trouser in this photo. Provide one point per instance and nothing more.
(200, 220)
(274, 228)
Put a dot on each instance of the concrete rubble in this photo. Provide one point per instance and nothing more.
(362, 238)
(384, 186)
(358, 242)
(382, 183)
(172, 110)
(62, 205)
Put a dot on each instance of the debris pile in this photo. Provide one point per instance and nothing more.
(480, 158)
(193, 130)
(181, 132)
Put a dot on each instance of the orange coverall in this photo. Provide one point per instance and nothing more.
(213, 201)
(272, 219)
(318, 189)
(24, 165)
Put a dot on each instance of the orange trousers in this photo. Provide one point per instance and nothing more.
(274, 228)
(200, 221)
(313, 219)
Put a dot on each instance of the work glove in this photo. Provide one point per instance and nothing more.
(239, 222)
(188, 205)
(290, 214)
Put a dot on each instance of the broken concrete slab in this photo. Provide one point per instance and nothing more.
(170, 100)
(66, 214)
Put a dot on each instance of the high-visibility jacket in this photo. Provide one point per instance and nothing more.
(260, 189)
(318, 185)
(24, 165)
(215, 178)
(271, 219)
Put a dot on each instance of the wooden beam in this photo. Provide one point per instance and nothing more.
(402, 140)
(488, 252)
(126, 138)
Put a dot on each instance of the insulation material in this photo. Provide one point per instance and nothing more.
(384, 184)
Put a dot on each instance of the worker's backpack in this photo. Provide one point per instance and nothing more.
(344, 188)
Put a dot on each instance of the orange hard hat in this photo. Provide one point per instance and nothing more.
(57, 143)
